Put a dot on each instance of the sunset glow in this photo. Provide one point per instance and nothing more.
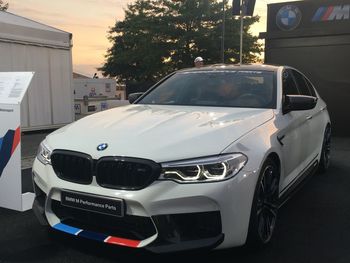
(89, 22)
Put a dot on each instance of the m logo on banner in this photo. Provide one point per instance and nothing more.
(332, 13)
(8, 145)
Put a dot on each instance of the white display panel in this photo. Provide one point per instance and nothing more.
(13, 86)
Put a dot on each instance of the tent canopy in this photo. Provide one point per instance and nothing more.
(18, 29)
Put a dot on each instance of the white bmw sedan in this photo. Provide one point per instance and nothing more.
(203, 159)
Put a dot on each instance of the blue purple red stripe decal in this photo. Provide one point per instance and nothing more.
(319, 13)
(67, 229)
(93, 235)
(8, 145)
(328, 13)
(97, 236)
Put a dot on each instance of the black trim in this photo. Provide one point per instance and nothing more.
(208, 243)
(187, 231)
(39, 204)
(287, 192)
(280, 139)
(299, 175)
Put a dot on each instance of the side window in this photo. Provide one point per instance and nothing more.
(289, 85)
(302, 85)
(311, 88)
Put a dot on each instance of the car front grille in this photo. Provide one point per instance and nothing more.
(72, 166)
(126, 173)
(111, 172)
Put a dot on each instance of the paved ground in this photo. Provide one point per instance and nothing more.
(313, 227)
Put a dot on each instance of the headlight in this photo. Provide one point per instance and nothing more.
(44, 154)
(206, 169)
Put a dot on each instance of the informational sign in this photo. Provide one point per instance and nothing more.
(13, 86)
(104, 105)
(77, 108)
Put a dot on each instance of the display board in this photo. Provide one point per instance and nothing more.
(314, 37)
(13, 86)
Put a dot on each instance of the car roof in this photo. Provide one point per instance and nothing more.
(216, 67)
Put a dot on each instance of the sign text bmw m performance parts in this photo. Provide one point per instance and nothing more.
(92, 203)
(8, 145)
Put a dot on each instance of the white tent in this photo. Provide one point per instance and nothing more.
(26, 45)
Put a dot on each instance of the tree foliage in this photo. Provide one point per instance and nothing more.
(3, 6)
(160, 36)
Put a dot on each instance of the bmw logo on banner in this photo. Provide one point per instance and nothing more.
(288, 17)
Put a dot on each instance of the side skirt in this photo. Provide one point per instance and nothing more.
(298, 182)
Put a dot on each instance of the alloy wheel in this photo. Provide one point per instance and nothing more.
(327, 148)
(267, 203)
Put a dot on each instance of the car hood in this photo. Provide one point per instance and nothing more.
(157, 132)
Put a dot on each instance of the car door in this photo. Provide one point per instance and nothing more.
(312, 129)
(291, 134)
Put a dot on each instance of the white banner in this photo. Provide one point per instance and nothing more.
(13, 86)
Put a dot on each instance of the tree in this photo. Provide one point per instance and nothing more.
(160, 36)
(3, 7)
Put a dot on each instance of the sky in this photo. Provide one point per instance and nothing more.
(89, 22)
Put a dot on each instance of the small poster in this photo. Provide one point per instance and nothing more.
(13, 86)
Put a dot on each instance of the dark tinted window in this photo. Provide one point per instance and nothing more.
(301, 82)
(289, 85)
(311, 87)
(223, 88)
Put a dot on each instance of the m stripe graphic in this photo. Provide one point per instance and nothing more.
(332, 13)
(8, 145)
(319, 13)
(328, 13)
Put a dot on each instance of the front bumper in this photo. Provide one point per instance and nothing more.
(164, 217)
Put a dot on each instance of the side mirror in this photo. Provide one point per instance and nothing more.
(298, 103)
(134, 96)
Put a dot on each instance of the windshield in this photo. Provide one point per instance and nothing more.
(226, 88)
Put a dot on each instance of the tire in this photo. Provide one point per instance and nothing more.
(325, 159)
(263, 215)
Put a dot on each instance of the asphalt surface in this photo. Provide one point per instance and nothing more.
(313, 226)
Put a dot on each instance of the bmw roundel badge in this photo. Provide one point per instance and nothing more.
(288, 17)
(102, 147)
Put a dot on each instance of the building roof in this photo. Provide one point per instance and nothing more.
(14, 28)
(79, 76)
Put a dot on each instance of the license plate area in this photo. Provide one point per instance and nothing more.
(93, 203)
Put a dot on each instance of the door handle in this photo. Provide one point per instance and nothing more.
(309, 117)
